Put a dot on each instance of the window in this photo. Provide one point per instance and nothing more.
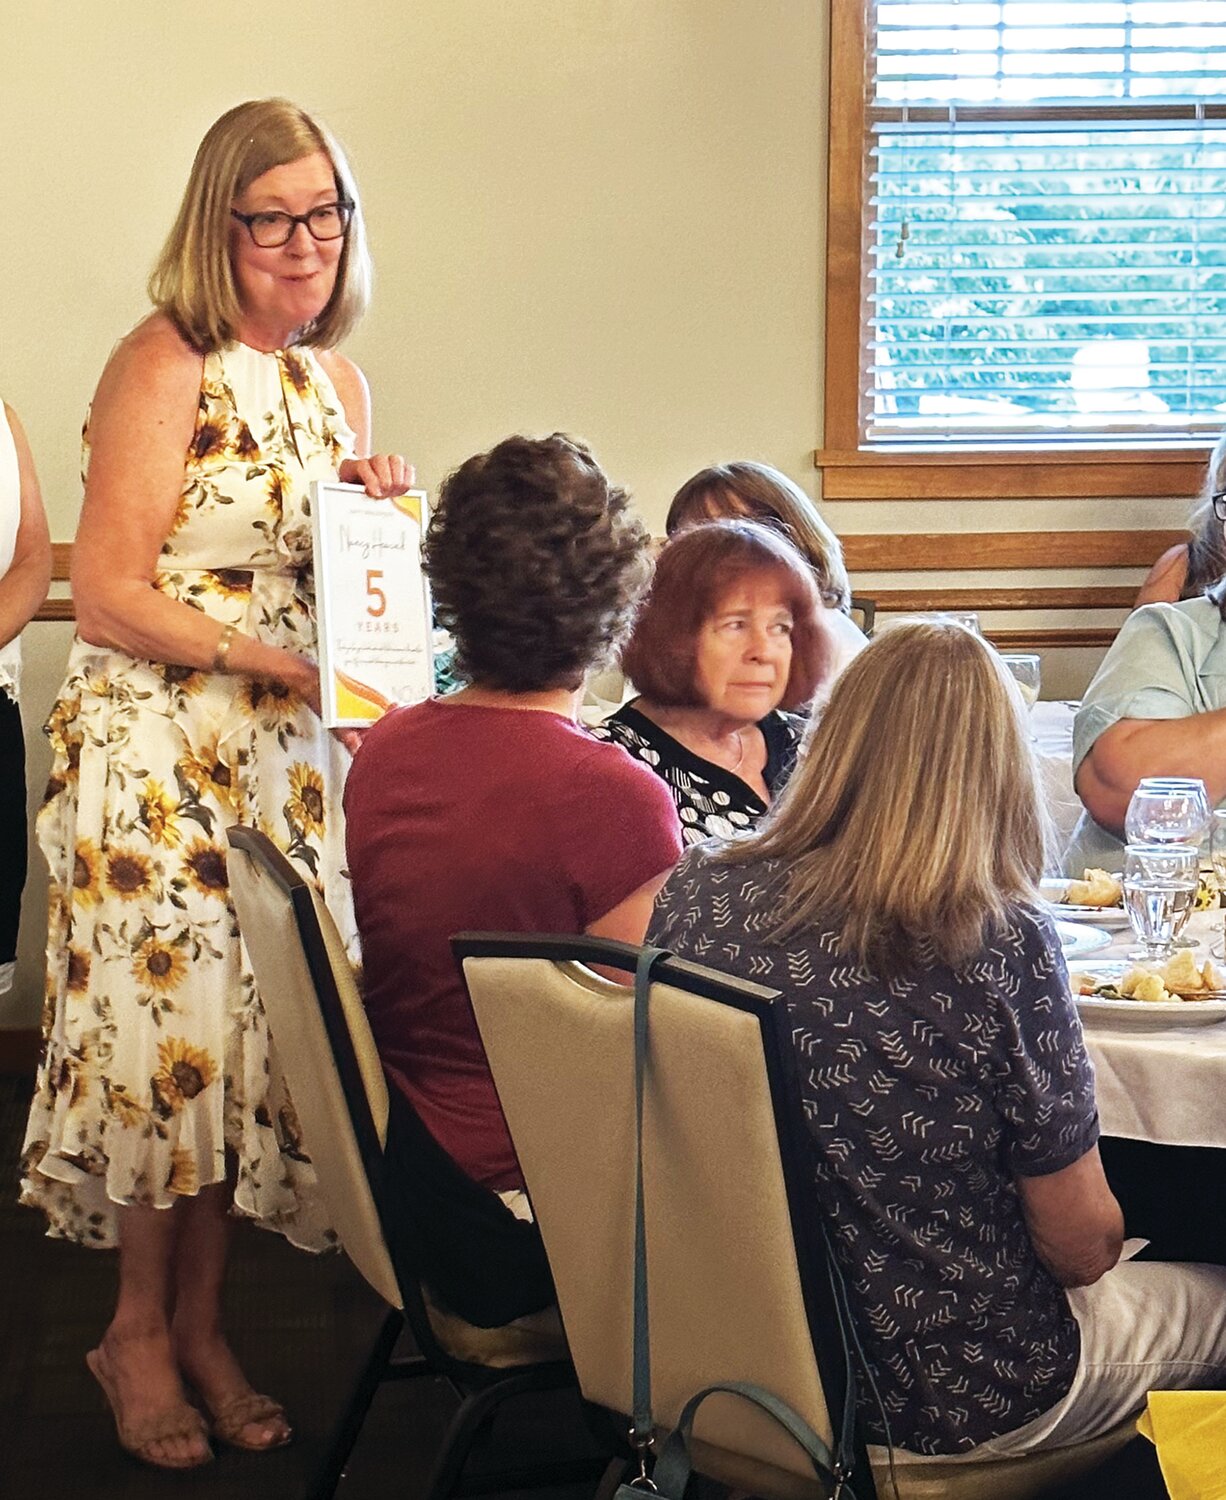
(1027, 240)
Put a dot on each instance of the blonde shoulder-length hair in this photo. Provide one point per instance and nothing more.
(914, 820)
(193, 280)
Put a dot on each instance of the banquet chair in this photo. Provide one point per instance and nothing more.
(864, 613)
(325, 1048)
(738, 1287)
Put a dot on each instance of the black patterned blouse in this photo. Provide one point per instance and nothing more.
(925, 1097)
(712, 802)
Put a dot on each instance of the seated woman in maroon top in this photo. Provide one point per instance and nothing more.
(492, 809)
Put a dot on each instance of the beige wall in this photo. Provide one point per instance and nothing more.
(598, 215)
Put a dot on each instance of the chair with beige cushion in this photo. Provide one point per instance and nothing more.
(324, 1046)
(737, 1278)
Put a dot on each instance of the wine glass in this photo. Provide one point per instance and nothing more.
(1168, 810)
(1159, 889)
(1024, 670)
(967, 618)
(1217, 854)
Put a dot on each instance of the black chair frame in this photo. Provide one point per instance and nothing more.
(481, 1389)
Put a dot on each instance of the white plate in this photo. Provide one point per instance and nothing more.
(1112, 917)
(1077, 939)
(1098, 1009)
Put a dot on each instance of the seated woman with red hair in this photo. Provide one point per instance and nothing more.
(730, 638)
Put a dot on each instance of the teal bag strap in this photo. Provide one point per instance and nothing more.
(672, 1470)
(641, 1425)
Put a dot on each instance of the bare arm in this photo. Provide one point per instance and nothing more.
(1133, 748)
(1164, 581)
(24, 587)
(141, 425)
(383, 474)
(1075, 1224)
(627, 921)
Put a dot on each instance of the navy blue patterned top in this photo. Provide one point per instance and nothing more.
(925, 1096)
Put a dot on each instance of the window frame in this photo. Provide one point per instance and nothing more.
(954, 468)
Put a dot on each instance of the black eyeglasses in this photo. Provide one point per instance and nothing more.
(273, 228)
(1218, 502)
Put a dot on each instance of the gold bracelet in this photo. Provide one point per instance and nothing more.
(224, 641)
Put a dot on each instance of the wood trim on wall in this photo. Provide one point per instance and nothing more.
(927, 551)
(907, 600)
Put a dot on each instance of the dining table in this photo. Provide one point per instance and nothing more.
(1160, 1079)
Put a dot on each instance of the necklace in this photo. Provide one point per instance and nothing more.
(740, 752)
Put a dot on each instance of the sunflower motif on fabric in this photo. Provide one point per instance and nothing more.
(184, 1178)
(230, 583)
(185, 682)
(87, 874)
(277, 487)
(209, 441)
(305, 808)
(159, 812)
(205, 864)
(159, 965)
(78, 971)
(129, 1112)
(203, 770)
(65, 740)
(296, 369)
(184, 1072)
(129, 873)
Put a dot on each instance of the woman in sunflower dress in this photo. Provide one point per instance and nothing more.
(192, 703)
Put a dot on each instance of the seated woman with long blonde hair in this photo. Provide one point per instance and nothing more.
(890, 894)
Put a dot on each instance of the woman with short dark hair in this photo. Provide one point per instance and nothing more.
(731, 638)
(492, 809)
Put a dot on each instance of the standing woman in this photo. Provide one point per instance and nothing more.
(191, 703)
(25, 572)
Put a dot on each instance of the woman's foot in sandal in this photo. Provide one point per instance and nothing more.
(154, 1421)
(251, 1421)
(239, 1415)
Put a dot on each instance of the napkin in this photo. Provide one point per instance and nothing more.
(1188, 1428)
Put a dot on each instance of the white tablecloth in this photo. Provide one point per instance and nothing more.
(1164, 1085)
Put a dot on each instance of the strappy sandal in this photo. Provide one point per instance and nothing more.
(181, 1420)
(243, 1411)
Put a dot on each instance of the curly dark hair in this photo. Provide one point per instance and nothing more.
(535, 564)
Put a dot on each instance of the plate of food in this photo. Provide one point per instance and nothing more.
(1183, 991)
(1097, 899)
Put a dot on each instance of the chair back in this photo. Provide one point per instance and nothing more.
(323, 1042)
(736, 1280)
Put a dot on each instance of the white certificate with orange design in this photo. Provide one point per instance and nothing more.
(372, 603)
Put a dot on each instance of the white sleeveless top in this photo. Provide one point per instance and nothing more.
(10, 515)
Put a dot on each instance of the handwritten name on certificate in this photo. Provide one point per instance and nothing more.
(372, 602)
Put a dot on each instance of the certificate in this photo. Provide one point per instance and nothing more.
(372, 603)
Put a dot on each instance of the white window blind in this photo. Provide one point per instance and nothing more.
(1046, 246)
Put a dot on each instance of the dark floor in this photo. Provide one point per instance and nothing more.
(302, 1326)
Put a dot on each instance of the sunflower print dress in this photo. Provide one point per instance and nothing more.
(156, 1055)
